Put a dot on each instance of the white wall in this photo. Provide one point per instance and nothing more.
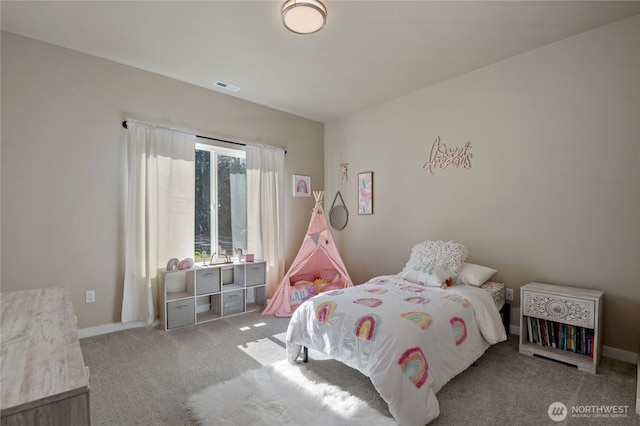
(64, 171)
(553, 192)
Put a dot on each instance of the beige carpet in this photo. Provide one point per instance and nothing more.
(145, 376)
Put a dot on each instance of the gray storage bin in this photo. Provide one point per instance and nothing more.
(174, 281)
(181, 313)
(207, 280)
(255, 274)
(232, 302)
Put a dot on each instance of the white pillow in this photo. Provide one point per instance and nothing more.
(427, 275)
(447, 255)
(472, 274)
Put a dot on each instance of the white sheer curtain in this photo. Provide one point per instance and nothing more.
(265, 210)
(160, 218)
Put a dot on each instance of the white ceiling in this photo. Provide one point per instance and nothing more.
(369, 52)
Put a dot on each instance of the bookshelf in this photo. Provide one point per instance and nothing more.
(211, 292)
(562, 323)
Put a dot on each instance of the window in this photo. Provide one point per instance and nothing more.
(220, 201)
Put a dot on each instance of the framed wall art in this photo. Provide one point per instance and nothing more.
(365, 193)
(301, 186)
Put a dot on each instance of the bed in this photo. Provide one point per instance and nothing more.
(408, 337)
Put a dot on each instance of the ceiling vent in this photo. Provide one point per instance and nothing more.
(227, 86)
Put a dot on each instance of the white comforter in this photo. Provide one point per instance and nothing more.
(408, 339)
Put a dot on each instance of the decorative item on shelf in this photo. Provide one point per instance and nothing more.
(172, 264)
(365, 193)
(204, 257)
(185, 264)
(304, 16)
(301, 186)
(240, 255)
(249, 257)
(227, 258)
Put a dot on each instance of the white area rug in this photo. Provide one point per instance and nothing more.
(281, 394)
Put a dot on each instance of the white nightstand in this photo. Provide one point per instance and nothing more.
(562, 323)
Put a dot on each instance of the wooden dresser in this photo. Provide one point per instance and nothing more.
(44, 380)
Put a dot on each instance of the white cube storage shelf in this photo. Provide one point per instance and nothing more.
(207, 293)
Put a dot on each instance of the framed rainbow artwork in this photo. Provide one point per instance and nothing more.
(301, 186)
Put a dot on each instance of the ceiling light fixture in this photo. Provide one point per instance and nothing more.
(304, 16)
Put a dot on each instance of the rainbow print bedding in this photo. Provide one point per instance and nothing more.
(410, 340)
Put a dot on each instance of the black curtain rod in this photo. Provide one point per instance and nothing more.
(124, 124)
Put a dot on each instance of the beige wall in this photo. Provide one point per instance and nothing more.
(64, 171)
(553, 194)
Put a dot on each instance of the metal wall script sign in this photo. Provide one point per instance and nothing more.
(441, 156)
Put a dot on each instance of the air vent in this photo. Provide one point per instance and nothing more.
(227, 86)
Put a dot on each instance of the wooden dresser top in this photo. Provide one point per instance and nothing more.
(40, 354)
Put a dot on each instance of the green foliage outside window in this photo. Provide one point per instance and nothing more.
(226, 166)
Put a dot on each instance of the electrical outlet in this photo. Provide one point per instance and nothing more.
(90, 296)
(509, 294)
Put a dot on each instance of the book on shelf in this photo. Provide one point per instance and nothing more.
(546, 333)
(571, 340)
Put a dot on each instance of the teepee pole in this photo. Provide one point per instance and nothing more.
(318, 195)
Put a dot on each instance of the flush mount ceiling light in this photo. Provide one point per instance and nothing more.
(304, 16)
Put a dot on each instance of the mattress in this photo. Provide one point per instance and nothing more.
(496, 290)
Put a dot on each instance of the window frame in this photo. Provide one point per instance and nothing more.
(214, 152)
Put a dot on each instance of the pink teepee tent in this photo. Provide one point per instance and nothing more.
(317, 257)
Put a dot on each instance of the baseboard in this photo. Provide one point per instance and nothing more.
(514, 329)
(111, 328)
(609, 352)
(619, 354)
